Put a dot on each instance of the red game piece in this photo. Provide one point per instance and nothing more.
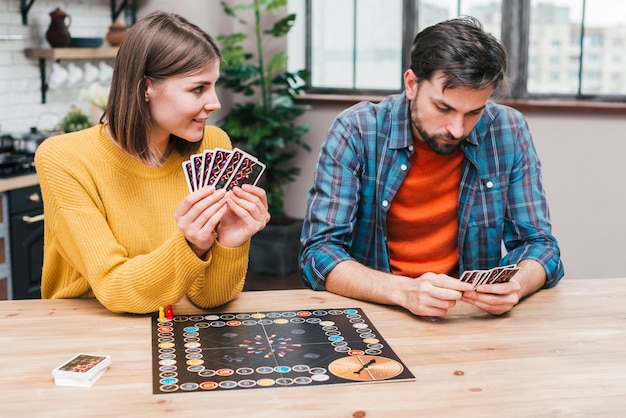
(169, 313)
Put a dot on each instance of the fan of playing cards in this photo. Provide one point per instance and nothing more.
(495, 275)
(222, 168)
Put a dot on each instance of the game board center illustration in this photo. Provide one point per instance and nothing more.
(225, 351)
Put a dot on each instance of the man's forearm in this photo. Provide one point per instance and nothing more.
(354, 280)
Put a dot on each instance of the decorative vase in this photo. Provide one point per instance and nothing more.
(58, 34)
(116, 33)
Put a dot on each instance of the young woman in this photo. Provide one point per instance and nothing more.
(120, 223)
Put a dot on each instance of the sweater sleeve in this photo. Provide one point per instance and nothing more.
(225, 277)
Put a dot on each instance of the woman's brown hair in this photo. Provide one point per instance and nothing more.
(159, 46)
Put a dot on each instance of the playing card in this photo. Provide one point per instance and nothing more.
(61, 381)
(189, 176)
(472, 276)
(222, 168)
(220, 157)
(493, 273)
(229, 168)
(207, 163)
(482, 276)
(466, 275)
(505, 275)
(196, 168)
(248, 171)
(500, 274)
(82, 366)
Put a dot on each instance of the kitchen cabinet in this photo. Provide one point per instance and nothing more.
(25, 210)
(57, 54)
(5, 253)
(21, 187)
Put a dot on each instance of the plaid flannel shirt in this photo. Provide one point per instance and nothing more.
(366, 156)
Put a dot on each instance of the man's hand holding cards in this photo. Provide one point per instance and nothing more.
(222, 169)
(495, 275)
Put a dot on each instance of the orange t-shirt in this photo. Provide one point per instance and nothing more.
(422, 222)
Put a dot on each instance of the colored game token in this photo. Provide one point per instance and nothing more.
(169, 313)
(161, 314)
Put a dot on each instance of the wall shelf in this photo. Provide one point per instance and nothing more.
(57, 54)
(25, 6)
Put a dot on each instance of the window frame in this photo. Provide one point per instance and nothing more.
(516, 20)
(408, 30)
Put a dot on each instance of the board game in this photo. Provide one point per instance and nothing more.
(226, 351)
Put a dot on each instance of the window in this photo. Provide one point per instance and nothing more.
(349, 46)
(569, 49)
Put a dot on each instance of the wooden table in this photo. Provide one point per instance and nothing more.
(560, 353)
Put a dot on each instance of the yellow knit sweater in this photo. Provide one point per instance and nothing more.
(109, 228)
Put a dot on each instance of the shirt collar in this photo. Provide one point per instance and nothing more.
(401, 136)
(480, 130)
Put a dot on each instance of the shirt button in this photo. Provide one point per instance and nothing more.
(385, 203)
(403, 167)
(489, 185)
(411, 148)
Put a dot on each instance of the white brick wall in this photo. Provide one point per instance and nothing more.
(20, 93)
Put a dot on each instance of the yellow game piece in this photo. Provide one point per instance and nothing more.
(161, 314)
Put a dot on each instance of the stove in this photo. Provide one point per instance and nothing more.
(14, 164)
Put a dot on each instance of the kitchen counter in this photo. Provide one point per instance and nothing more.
(18, 182)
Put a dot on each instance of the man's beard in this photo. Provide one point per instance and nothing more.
(431, 140)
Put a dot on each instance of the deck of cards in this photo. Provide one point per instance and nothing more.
(222, 168)
(495, 275)
(81, 370)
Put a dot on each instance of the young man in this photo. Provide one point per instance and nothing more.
(426, 184)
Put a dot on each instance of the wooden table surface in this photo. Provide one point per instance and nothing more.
(560, 353)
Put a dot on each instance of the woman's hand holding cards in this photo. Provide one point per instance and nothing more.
(236, 208)
(246, 216)
(198, 216)
(236, 215)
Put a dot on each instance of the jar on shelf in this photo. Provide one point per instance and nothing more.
(58, 34)
(116, 33)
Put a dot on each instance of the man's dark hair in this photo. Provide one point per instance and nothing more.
(466, 54)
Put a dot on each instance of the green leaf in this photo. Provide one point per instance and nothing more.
(282, 26)
(232, 11)
(274, 6)
(278, 62)
(227, 9)
(231, 40)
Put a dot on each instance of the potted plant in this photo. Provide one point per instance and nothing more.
(75, 120)
(264, 125)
